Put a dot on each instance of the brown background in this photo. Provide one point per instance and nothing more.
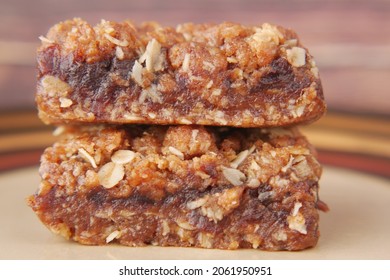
(350, 41)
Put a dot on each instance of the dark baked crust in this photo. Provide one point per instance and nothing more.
(224, 75)
(181, 186)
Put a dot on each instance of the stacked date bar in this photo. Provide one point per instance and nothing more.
(179, 137)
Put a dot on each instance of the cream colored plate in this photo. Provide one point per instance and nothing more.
(357, 227)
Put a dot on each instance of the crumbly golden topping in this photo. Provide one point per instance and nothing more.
(164, 160)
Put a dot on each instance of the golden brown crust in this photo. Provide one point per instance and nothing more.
(181, 186)
(225, 74)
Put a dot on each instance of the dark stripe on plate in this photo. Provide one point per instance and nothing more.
(365, 163)
(9, 161)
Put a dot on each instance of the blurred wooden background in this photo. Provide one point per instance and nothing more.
(349, 39)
